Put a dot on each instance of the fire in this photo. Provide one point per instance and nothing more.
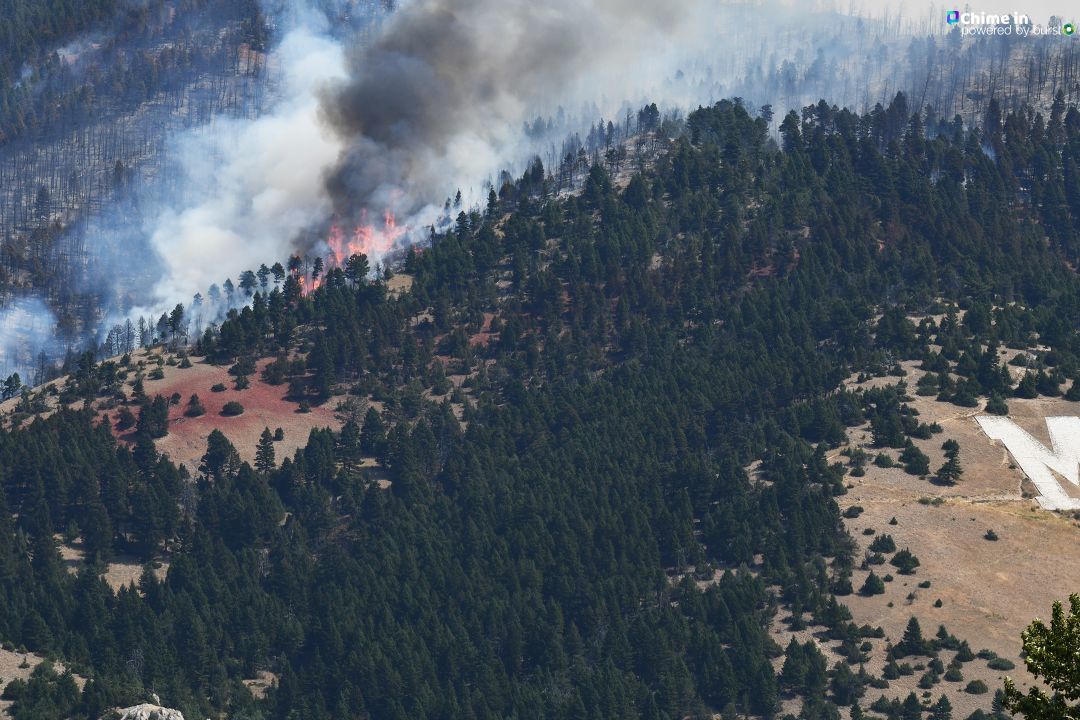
(366, 239)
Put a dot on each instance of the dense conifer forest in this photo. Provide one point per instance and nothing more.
(592, 537)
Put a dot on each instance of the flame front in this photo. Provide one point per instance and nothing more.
(366, 239)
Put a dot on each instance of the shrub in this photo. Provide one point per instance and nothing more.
(868, 531)
(279, 435)
(883, 544)
(953, 675)
(996, 405)
(905, 562)
(232, 408)
(976, 687)
(853, 512)
(195, 407)
(243, 366)
(219, 387)
(1000, 663)
(882, 460)
(14, 690)
(915, 461)
(991, 535)
(924, 584)
(1073, 393)
(937, 603)
(872, 586)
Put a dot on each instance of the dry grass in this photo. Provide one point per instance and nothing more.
(990, 590)
(265, 406)
(17, 665)
(399, 284)
(126, 570)
(263, 681)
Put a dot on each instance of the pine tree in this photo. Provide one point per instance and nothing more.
(941, 710)
(349, 444)
(373, 433)
(873, 585)
(951, 471)
(264, 453)
(913, 642)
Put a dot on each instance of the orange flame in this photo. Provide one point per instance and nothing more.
(366, 239)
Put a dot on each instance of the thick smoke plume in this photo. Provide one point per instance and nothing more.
(440, 97)
(395, 112)
(250, 186)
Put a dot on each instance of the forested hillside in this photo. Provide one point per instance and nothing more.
(568, 406)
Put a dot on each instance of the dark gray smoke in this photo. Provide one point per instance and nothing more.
(440, 97)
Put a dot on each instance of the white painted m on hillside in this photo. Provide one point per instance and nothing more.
(1039, 462)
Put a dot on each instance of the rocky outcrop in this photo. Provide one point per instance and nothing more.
(146, 711)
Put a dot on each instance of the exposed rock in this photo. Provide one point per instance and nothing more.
(146, 711)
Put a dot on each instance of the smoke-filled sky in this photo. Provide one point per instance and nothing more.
(435, 103)
(441, 96)
(436, 99)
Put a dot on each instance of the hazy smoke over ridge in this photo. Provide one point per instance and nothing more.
(252, 185)
(440, 97)
(435, 97)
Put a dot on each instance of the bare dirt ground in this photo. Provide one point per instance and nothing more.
(990, 590)
(264, 406)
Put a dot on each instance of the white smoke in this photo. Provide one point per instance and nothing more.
(27, 329)
(251, 185)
